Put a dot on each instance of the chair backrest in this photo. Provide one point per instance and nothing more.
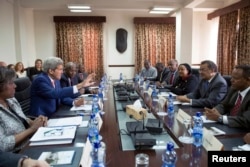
(228, 79)
(196, 72)
(23, 86)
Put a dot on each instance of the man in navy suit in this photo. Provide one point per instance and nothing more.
(234, 110)
(210, 91)
(46, 91)
(69, 78)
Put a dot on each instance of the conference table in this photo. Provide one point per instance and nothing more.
(187, 154)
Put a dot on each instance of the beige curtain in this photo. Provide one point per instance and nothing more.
(244, 36)
(81, 42)
(153, 42)
(227, 38)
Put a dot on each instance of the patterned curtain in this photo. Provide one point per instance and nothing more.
(227, 39)
(81, 42)
(154, 42)
(244, 36)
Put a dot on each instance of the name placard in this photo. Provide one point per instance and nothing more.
(210, 143)
(182, 115)
(86, 158)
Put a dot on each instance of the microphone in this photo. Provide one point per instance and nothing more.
(142, 113)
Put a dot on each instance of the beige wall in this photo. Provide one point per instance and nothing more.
(32, 35)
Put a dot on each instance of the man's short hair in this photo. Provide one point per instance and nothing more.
(246, 70)
(51, 63)
(159, 65)
(69, 66)
(211, 65)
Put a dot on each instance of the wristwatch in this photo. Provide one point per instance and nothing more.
(220, 119)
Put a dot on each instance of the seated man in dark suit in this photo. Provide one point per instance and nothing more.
(8, 159)
(162, 73)
(173, 74)
(234, 110)
(46, 90)
(210, 91)
(69, 78)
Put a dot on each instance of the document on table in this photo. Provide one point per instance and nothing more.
(69, 121)
(53, 135)
(85, 107)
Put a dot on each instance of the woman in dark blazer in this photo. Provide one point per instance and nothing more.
(186, 82)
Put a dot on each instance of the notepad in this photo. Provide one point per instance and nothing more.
(58, 158)
(69, 121)
(53, 135)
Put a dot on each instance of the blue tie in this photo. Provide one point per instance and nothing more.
(206, 83)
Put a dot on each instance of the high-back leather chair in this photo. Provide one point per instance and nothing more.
(23, 86)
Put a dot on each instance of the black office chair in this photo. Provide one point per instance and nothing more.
(228, 79)
(196, 72)
(23, 86)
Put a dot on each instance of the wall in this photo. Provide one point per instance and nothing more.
(27, 35)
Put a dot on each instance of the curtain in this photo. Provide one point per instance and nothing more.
(227, 38)
(244, 36)
(154, 42)
(81, 42)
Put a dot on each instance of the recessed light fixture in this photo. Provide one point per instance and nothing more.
(160, 10)
(80, 11)
(79, 8)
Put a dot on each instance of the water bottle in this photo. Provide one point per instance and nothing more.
(95, 98)
(93, 132)
(169, 157)
(121, 78)
(154, 97)
(170, 106)
(198, 130)
(100, 94)
(95, 107)
(98, 154)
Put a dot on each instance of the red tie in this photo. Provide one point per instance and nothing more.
(236, 106)
(171, 79)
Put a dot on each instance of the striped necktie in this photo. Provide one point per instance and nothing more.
(236, 107)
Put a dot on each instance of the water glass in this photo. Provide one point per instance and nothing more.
(141, 160)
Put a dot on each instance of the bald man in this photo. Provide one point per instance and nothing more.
(3, 64)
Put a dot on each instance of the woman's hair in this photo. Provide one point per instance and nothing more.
(51, 63)
(188, 67)
(16, 66)
(6, 75)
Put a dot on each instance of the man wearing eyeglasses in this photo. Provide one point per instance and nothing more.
(210, 91)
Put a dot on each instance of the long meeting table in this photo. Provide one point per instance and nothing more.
(187, 154)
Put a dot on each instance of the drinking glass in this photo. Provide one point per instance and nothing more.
(141, 160)
(186, 137)
(161, 111)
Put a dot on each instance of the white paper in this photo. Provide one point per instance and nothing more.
(216, 132)
(86, 107)
(245, 147)
(54, 142)
(54, 133)
(205, 120)
(58, 158)
(69, 121)
(84, 124)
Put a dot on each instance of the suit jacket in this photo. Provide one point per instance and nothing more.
(184, 86)
(8, 159)
(176, 77)
(242, 119)
(45, 99)
(64, 81)
(161, 76)
(210, 97)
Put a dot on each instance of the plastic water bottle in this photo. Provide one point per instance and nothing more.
(121, 78)
(93, 132)
(100, 94)
(198, 130)
(98, 154)
(169, 157)
(170, 106)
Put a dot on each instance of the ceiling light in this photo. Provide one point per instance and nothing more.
(158, 12)
(78, 10)
(78, 7)
(162, 9)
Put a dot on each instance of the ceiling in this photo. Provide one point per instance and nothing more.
(126, 5)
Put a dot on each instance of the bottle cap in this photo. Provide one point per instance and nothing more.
(170, 146)
(198, 114)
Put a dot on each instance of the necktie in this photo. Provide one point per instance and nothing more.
(236, 106)
(70, 82)
(53, 83)
(206, 83)
(171, 79)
